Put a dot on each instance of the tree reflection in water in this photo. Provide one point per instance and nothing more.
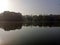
(7, 26)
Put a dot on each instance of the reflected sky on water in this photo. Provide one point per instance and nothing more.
(30, 35)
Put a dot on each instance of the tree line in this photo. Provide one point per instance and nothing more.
(41, 20)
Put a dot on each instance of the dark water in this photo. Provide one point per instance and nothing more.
(11, 34)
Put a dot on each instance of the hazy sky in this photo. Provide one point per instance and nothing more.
(35, 6)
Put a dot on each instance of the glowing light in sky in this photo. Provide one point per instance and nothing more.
(3, 5)
(31, 6)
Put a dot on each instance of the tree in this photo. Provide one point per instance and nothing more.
(11, 16)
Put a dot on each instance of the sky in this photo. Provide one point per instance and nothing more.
(34, 7)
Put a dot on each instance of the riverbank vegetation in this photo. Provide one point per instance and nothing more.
(41, 20)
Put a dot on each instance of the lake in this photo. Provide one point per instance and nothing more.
(29, 35)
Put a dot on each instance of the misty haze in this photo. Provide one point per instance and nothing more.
(29, 22)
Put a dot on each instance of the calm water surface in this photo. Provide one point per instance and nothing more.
(30, 35)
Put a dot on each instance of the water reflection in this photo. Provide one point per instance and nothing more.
(31, 36)
(7, 26)
(10, 26)
(27, 35)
